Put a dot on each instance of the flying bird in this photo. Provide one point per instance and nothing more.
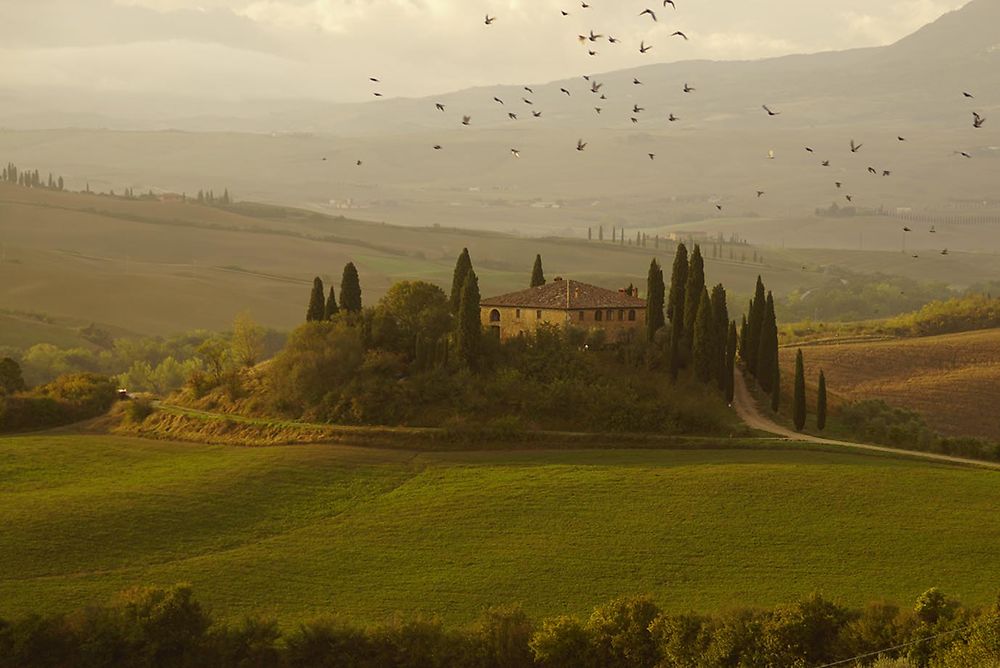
(593, 37)
(514, 152)
(809, 149)
(580, 145)
(564, 91)
(760, 193)
(969, 95)
(679, 34)
(652, 156)
(374, 80)
(771, 113)
(669, 2)
(977, 120)
(886, 172)
(689, 89)
(536, 114)
(901, 138)
(490, 19)
(636, 109)
(437, 147)
(643, 48)
(672, 118)
(871, 170)
(496, 99)
(825, 163)
(855, 147)
(440, 107)
(512, 116)
(636, 82)
(466, 120)
(358, 163)
(651, 13)
(528, 88)
(838, 184)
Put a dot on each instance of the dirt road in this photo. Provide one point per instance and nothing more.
(746, 408)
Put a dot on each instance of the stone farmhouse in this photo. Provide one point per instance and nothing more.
(620, 313)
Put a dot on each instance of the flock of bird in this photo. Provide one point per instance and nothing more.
(596, 89)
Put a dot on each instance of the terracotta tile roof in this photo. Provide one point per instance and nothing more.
(566, 295)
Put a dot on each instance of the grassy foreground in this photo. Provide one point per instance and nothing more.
(298, 531)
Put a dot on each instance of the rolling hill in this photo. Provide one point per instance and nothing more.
(953, 380)
(295, 532)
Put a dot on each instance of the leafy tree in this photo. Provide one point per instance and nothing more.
(703, 348)
(469, 333)
(799, 398)
(755, 323)
(11, 378)
(621, 633)
(350, 289)
(821, 403)
(561, 642)
(331, 309)
(319, 358)
(505, 636)
(720, 325)
(462, 268)
(537, 275)
(248, 341)
(767, 346)
(416, 311)
(655, 294)
(317, 302)
(731, 363)
(693, 289)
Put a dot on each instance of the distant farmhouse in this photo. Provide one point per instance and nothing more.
(621, 314)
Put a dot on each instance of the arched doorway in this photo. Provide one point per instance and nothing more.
(495, 323)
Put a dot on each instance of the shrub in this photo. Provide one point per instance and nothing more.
(137, 410)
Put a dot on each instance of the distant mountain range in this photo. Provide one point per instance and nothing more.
(907, 82)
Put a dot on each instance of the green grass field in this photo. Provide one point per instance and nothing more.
(294, 532)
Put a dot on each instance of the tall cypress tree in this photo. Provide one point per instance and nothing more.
(331, 305)
(350, 289)
(720, 323)
(469, 331)
(537, 275)
(731, 363)
(799, 398)
(317, 302)
(767, 348)
(655, 294)
(703, 344)
(776, 389)
(755, 323)
(695, 284)
(821, 403)
(462, 268)
(678, 282)
(743, 336)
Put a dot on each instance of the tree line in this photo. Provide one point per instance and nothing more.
(27, 178)
(168, 627)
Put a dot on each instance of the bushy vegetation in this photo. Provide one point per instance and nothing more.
(163, 627)
(974, 311)
(876, 421)
(67, 399)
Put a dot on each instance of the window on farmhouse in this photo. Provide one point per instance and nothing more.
(538, 315)
(621, 314)
(583, 316)
(611, 314)
(631, 315)
(598, 315)
(518, 314)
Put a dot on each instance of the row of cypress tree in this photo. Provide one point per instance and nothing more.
(700, 333)
(759, 343)
(323, 307)
(799, 401)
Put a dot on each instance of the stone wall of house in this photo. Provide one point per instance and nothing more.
(513, 321)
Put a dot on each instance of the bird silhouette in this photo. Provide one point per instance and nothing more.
(771, 113)
(678, 33)
(514, 152)
(581, 145)
(490, 19)
(855, 147)
(651, 13)
(689, 89)
(440, 107)
(977, 120)
(760, 193)
(466, 120)
(643, 48)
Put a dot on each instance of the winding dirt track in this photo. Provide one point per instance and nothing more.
(746, 408)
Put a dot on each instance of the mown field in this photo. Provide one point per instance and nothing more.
(293, 532)
(952, 380)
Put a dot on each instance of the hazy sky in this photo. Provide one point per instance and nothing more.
(328, 48)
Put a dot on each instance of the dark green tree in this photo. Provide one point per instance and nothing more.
(678, 282)
(655, 295)
(350, 289)
(694, 287)
(704, 344)
(331, 305)
(720, 323)
(743, 335)
(821, 403)
(799, 397)
(767, 347)
(317, 302)
(731, 363)
(462, 268)
(469, 329)
(755, 322)
(537, 275)
(11, 379)
(776, 386)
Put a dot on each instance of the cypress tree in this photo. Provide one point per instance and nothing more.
(331, 305)
(537, 275)
(350, 289)
(469, 332)
(743, 336)
(678, 283)
(462, 268)
(703, 345)
(317, 302)
(720, 323)
(767, 350)
(695, 285)
(731, 363)
(755, 322)
(800, 393)
(655, 294)
(821, 403)
(776, 389)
